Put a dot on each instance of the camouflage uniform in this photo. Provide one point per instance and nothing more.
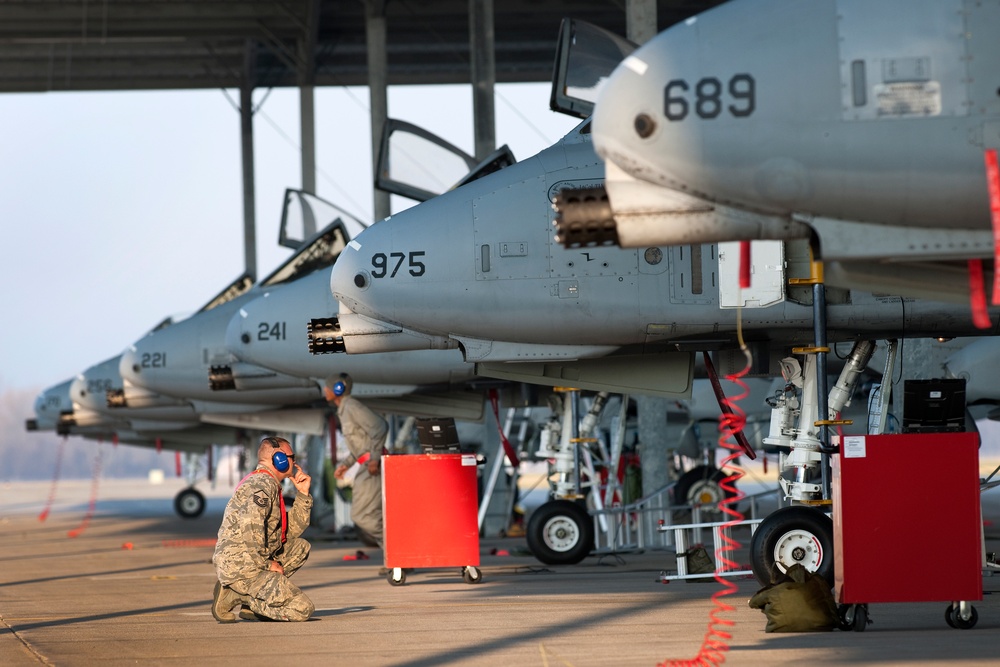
(250, 537)
(365, 433)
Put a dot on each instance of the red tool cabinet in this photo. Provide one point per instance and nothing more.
(906, 518)
(430, 513)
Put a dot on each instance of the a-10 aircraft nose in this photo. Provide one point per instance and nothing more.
(238, 335)
(403, 269)
(144, 365)
(90, 389)
(129, 366)
(49, 404)
(357, 278)
(629, 118)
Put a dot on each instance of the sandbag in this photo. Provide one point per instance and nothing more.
(800, 601)
(699, 562)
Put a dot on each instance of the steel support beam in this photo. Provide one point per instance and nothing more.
(640, 20)
(378, 73)
(246, 139)
(307, 105)
(482, 47)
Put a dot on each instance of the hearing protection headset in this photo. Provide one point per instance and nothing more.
(340, 387)
(279, 459)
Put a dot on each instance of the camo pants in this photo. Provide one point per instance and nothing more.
(272, 594)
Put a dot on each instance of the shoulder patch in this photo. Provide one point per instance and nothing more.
(260, 498)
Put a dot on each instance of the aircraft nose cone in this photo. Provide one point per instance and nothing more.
(49, 405)
(350, 280)
(78, 391)
(625, 115)
(129, 366)
(238, 337)
(90, 388)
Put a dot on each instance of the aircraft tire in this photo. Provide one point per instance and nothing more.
(790, 535)
(189, 503)
(560, 532)
(701, 485)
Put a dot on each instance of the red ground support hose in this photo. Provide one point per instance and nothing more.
(55, 479)
(93, 495)
(715, 644)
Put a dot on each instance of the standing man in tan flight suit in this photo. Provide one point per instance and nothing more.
(259, 544)
(365, 434)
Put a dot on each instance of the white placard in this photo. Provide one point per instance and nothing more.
(854, 447)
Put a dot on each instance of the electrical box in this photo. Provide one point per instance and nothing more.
(906, 518)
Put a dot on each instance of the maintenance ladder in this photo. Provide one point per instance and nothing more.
(652, 523)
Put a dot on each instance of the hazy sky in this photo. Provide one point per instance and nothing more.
(119, 209)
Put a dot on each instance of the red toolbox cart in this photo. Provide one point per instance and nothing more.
(430, 514)
(907, 523)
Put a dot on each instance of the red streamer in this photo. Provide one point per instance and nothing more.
(977, 295)
(744, 264)
(993, 187)
(507, 447)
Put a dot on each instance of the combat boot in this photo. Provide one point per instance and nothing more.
(248, 615)
(223, 600)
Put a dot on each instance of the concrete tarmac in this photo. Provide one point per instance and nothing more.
(133, 586)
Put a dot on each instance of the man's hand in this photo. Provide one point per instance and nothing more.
(373, 466)
(275, 566)
(301, 480)
(339, 472)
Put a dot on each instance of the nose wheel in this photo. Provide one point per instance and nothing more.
(189, 503)
(560, 532)
(702, 486)
(791, 535)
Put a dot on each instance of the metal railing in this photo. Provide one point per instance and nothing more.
(652, 522)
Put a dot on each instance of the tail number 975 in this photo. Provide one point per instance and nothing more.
(388, 265)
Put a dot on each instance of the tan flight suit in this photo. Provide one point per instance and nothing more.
(365, 432)
(250, 537)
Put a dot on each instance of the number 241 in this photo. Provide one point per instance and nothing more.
(381, 263)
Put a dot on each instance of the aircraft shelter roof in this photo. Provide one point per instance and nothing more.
(75, 45)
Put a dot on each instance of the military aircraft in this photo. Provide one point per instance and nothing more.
(478, 268)
(79, 407)
(863, 125)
